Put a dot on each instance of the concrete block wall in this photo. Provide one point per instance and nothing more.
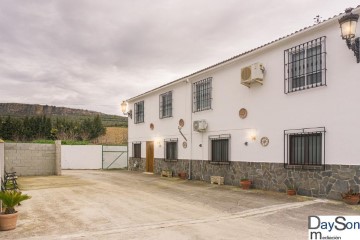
(31, 159)
(2, 159)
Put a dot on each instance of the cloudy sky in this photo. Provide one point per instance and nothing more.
(92, 54)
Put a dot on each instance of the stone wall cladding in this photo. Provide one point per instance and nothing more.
(176, 166)
(328, 183)
(30, 159)
(137, 164)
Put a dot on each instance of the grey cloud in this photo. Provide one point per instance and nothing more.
(94, 53)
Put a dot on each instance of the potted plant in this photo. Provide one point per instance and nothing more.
(10, 199)
(245, 183)
(350, 197)
(182, 175)
(291, 191)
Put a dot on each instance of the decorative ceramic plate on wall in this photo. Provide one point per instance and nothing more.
(181, 123)
(243, 113)
(264, 141)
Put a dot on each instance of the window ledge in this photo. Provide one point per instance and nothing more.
(310, 86)
(219, 163)
(309, 167)
(207, 109)
(170, 160)
(165, 117)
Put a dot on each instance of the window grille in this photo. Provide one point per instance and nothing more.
(139, 112)
(137, 149)
(202, 95)
(220, 149)
(305, 65)
(171, 149)
(165, 107)
(304, 147)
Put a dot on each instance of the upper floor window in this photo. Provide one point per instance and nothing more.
(165, 102)
(171, 149)
(139, 112)
(220, 149)
(202, 95)
(137, 149)
(305, 147)
(305, 65)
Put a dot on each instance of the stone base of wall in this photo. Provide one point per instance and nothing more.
(137, 164)
(328, 183)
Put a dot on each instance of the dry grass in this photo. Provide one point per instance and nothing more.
(114, 135)
(45, 182)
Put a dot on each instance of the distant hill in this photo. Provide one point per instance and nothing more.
(27, 110)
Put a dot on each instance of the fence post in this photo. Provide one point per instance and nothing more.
(58, 157)
(2, 166)
(2, 158)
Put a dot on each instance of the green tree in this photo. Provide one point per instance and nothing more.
(97, 128)
(7, 128)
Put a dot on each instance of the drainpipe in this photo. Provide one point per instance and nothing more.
(191, 131)
(202, 157)
(127, 151)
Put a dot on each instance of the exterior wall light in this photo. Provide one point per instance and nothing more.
(124, 107)
(348, 30)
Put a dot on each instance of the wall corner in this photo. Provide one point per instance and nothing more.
(2, 158)
(58, 157)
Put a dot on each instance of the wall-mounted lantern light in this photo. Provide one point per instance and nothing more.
(348, 30)
(124, 107)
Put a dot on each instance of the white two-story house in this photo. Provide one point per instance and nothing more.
(283, 114)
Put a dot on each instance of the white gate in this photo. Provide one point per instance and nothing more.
(114, 157)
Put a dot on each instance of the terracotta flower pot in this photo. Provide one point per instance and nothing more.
(291, 192)
(352, 200)
(8, 221)
(182, 175)
(245, 184)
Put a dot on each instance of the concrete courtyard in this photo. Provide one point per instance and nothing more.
(131, 205)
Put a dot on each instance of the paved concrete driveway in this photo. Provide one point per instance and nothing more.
(130, 205)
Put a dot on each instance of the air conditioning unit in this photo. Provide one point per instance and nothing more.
(200, 126)
(252, 74)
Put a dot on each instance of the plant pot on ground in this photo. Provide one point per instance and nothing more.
(291, 191)
(10, 199)
(245, 183)
(350, 197)
(182, 175)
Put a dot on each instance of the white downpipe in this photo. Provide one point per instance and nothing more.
(191, 130)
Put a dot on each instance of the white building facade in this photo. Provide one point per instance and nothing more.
(284, 114)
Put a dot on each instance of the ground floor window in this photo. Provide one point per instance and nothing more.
(219, 148)
(304, 147)
(137, 149)
(171, 149)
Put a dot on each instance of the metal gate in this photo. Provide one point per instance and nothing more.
(114, 157)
